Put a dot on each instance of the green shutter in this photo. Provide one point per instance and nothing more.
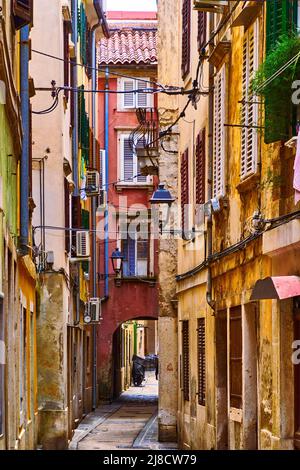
(85, 222)
(281, 19)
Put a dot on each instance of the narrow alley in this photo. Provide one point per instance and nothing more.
(127, 423)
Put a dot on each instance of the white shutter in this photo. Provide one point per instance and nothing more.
(142, 98)
(219, 135)
(128, 98)
(249, 140)
(127, 160)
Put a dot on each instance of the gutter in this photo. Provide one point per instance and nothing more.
(102, 17)
(75, 101)
(106, 121)
(209, 297)
(24, 171)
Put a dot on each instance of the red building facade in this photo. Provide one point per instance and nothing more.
(128, 62)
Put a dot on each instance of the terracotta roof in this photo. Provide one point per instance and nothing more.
(129, 45)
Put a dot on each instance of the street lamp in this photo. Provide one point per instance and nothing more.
(162, 196)
(117, 261)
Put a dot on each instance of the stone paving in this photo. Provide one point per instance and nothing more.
(128, 423)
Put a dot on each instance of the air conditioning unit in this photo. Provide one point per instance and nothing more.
(102, 200)
(210, 6)
(93, 311)
(92, 183)
(82, 244)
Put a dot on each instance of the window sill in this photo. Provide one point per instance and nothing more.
(248, 184)
(141, 279)
(121, 186)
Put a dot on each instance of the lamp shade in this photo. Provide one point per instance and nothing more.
(162, 196)
(117, 260)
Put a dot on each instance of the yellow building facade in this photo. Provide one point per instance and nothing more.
(238, 386)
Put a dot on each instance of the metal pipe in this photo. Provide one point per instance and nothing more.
(106, 121)
(94, 208)
(209, 297)
(75, 100)
(24, 170)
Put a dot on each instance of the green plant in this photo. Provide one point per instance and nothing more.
(277, 92)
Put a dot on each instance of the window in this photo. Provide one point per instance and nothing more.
(282, 18)
(2, 368)
(185, 360)
(249, 134)
(185, 189)
(186, 38)
(202, 26)
(201, 362)
(219, 135)
(23, 361)
(236, 357)
(135, 249)
(135, 100)
(129, 164)
(67, 29)
(67, 214)
(22, 11)
(200, 168)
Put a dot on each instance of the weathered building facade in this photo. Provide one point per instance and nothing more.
(239, 385)
(63, 151)
(18, 393)
(128, 62)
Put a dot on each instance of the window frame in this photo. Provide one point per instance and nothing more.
(236, 400)
(121, 97)
(219, 173)
(249, 136)
(185, 360)
(134, 183)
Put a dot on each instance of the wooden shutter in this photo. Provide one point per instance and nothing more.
(281, 19)
(249, 144)
(185, 360)
(22, 11)
(67, 214)
(127, 160)
(219, 134)
(200, 168)
(201, 362)
(142, 98)
(76, 217)
(128, 98)
(236, 376)
(2, 369)
(186, 37)
(184, 189)
(202, 27)
(66, 58)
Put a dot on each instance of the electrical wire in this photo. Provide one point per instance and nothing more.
(98, 68)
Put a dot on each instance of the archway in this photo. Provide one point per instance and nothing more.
(134, 337)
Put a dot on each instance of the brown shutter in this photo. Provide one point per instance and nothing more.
(201, 362)
(66, 58)
(184, 189)
(236, 357)
(22, 11)
(67, 214)
(185, 360)
(186, 37)
(200, 168)
(76, 217)
(202, 22)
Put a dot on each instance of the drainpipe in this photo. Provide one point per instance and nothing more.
(24, 170)
(106, 118)
(75, 100)
(209, 297)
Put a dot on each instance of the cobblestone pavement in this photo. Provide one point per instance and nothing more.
(128, 423)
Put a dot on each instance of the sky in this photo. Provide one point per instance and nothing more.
(131, 5)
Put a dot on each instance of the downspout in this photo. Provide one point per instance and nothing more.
(209, 297)
(106, 120)
(94, 204)
(75, 100)
(24, 170)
